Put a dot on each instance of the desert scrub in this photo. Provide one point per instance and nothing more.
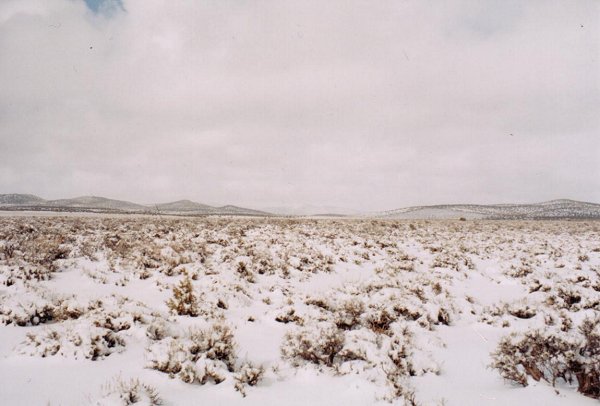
(243, 271)
(76, 341)
(549, 356)
(128, 392)
(25, 312)
(443, 317)
(348, 314)
(199, 356)
(320, 345)
(398, 289)
(28, 273)
(248, 375)
(39, 245)
(289, 316)
(184, 301)
(36, 307)
(158, 329)
(379, 319)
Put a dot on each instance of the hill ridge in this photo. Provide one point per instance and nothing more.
(558, 208)
(16, 201)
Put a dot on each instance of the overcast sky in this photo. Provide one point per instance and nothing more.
(360, 104)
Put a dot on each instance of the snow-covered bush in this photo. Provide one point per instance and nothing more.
(248, 375)
(399, 353)
(289, 315)
(79, 341)
(27, 310)
(348, 315)
(349, 290)
(37, 307)
(243, 271)
(215, 343)
(184, 301)
(199, 356)
(319, 345)
(379, 319)
(30, 274)
(550, 356)
(443, 317)
(39, 252)
(158, 329)
(130, 392)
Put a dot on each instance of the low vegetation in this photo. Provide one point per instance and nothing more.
(247, 304)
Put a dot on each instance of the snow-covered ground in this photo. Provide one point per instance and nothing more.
(263, 311)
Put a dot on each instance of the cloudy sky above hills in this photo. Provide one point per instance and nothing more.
(358, 104)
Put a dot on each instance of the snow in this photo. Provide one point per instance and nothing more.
(326, 311)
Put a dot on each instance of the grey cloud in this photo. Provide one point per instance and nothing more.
(354, 104)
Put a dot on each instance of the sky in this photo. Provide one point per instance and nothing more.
(353, 104)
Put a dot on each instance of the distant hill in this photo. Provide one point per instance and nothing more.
(189, 207)
(15, 199)
(96, 202)
(235, 210)
(312, 210)
(183, 206)
(554, 209)
(102, 204)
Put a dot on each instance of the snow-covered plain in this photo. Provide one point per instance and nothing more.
(286, 311)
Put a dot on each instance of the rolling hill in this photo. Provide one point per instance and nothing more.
(554, 209)
(102, 204)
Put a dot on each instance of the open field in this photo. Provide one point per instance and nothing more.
(264, 311)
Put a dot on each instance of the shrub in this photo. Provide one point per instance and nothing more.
(167, 356)
(201, 371)
(316, 345)
(38, 307)
(380, 319)
(27, 312)
(347, 316)
(8, 249)
(400, 356)
(200, 356)
(443, 317)
(85, 341)
(216, 343)
(521, 311)
(120, 392)
(157, 330)
(184, 301)
(550, 357)
(248, 375)
(289, 316)
(245, 272)
(588, 372)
